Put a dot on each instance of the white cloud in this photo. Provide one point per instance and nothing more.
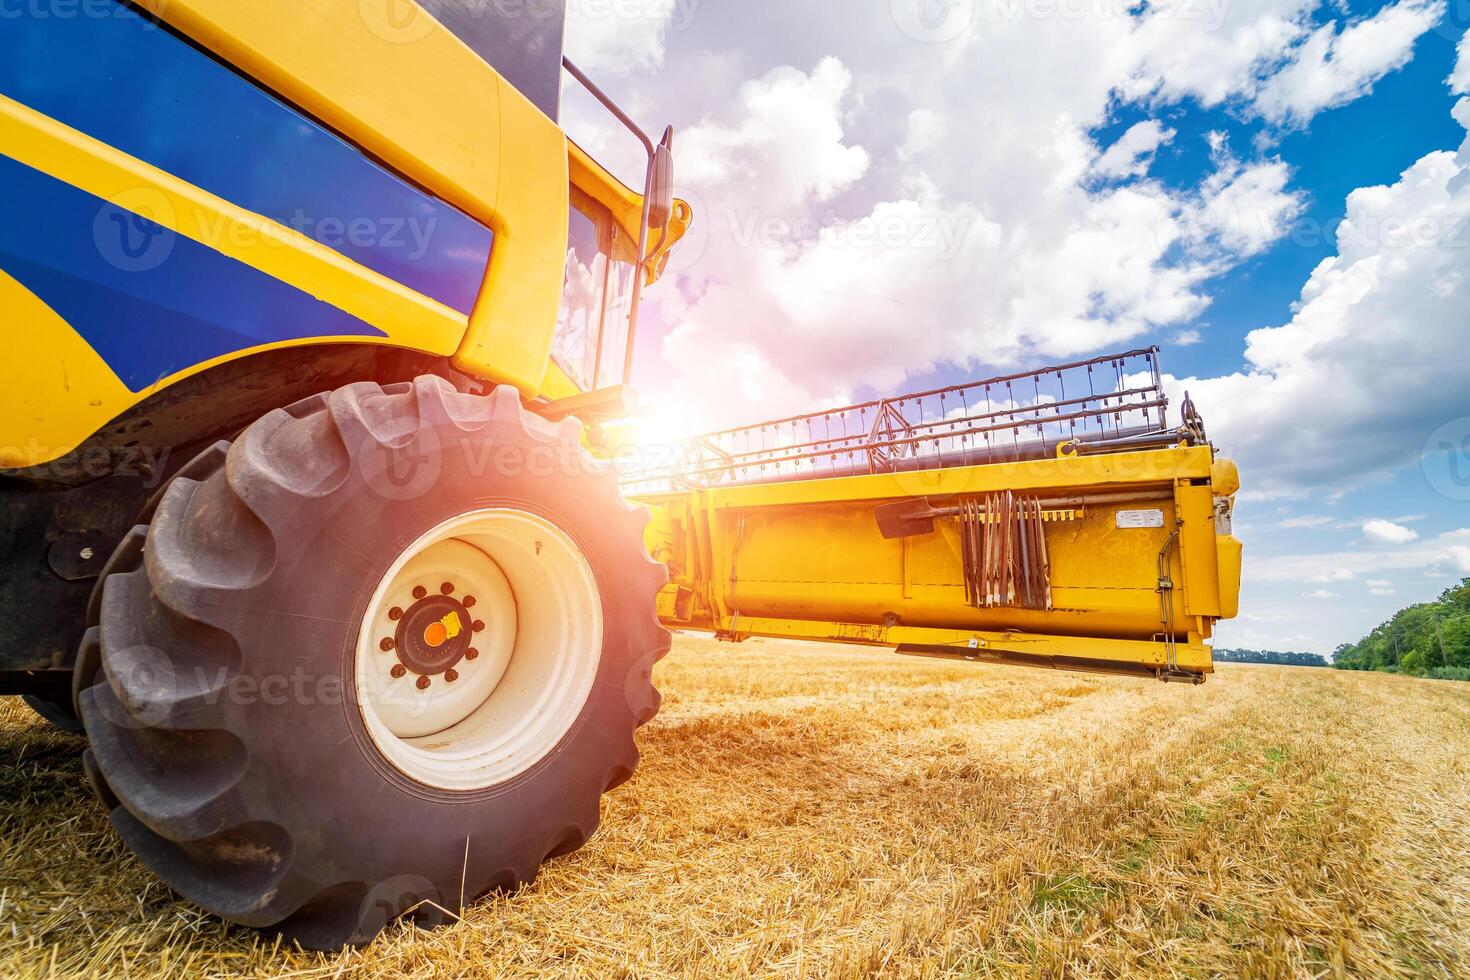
(1186, 338)
(1133, 153)
(1373, 359)
(1459, 80)
(1243, 209)
(784, 142)
(925, 134)
(1379, 583)
(1387, 532)
(1271, 54)
(1338, 64)
(1320, 594)
(800, 166)
(619, 38)
(1182, 57)
(1305, 520)
(1455, 559)
(1334, 575)
(1443, 554)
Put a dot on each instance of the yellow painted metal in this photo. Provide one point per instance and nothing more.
(515, 318)
(806, 558)
(1231, 553)
(32, 430)
(1201, 585)
(58, 410)
(626, 206)
(1100, 654)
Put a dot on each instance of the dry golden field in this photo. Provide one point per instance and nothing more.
(825, 811)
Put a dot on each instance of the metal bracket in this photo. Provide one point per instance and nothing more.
(602, 405)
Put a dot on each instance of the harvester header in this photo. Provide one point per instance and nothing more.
(1050, 517)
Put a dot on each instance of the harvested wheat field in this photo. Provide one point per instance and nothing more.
(826, 811)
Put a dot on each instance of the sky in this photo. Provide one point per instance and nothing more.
(897, 194)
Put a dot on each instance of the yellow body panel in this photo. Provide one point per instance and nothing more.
(806, 559)
(32, 430)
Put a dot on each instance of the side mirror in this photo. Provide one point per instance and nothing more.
(661, 182)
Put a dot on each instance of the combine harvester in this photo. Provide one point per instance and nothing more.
(318, 316)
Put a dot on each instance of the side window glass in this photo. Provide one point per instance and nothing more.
(580, 323)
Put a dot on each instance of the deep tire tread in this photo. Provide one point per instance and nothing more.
(169, 757)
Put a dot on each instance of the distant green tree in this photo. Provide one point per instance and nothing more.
(1428, 639)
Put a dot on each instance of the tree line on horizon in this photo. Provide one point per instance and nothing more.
(1288, 658)
(1430, 639)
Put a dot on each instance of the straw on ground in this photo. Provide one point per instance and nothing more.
(825, 811)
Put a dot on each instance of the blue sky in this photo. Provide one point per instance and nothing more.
(915, 192)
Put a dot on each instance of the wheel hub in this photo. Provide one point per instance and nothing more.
(434, 635)
(478, 649)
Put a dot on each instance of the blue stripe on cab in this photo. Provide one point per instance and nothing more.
(149, 301)
(133, 85)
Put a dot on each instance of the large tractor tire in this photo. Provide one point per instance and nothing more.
(381, 656)
(56, 711)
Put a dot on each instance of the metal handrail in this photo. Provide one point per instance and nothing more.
(634, 303)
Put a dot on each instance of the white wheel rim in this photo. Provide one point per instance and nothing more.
(535, 631)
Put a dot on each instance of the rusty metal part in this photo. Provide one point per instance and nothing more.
(1003, 553)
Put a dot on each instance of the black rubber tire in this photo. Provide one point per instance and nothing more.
(58, 713)
(126, 557)
(279, 813)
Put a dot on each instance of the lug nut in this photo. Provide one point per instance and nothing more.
(423, 683)
(471, 654)
(479, 625)
(398, 670)
(451, 675)
(395, 614)
(387, 644)
(419, 591)
(469, 602)
(447, 588)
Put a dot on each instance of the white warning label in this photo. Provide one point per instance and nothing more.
(1140, 518)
